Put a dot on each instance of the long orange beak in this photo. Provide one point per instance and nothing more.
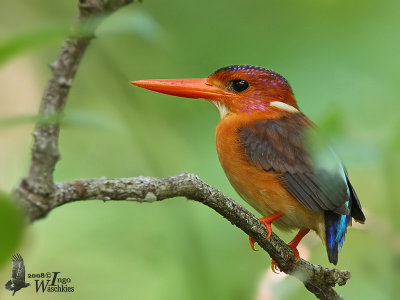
(189, 88)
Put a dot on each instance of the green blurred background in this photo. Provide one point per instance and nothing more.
(342, 60)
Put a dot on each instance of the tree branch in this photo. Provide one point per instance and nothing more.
(38, 193)
(317, 279)
(45, 154)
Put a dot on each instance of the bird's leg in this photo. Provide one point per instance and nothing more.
(267, 222)
(295, 242)
(293, 245)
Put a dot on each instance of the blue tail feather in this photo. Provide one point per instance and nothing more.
(336, 224)
(335, 231)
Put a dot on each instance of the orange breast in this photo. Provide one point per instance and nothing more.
(259, 188)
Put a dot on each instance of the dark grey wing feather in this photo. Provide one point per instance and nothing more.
(323, 192)
(281, 146)
(356, 211)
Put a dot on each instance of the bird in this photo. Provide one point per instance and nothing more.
(17, 280)
(273, 154)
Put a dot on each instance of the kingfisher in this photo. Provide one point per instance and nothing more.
(273, 155)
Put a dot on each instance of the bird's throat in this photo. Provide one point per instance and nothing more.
(222, 108)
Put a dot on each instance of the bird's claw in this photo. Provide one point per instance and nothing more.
(252, 244)
(267, 222)
(274, 267)
(295, 252)
(251, 240)
(269, 230)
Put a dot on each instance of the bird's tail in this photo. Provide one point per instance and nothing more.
(336, 224)
(335, 233)
(8, 285)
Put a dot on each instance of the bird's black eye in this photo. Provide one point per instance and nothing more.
(239, 85)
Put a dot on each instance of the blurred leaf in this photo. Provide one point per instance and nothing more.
(73, 119)
(42, 120)
(30, 40)
(331, 124)
(11, 227)
(89, 119)
(137, 23)
(392, 172)
(18, 120)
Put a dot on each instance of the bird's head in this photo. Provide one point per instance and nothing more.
(232, 89)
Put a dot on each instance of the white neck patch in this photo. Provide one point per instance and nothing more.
(223, 110)
(284, 106)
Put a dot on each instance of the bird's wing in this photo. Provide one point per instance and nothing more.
(310, 172)
(18, 267)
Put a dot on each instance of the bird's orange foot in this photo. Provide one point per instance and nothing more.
(293, 245)
(274, 266)
(267, 222)
(252, 244)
